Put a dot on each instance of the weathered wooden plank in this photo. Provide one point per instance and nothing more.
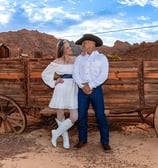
(12, 80)
(120, 87)
(119, 75)
(38, 93)
(150, 69)
(124, 64)
(150, 65)
(151, 87)
(151, 100)
(123, 72)
(11, 92)
(121, 100)
(36, 65)
(11, 75)
(38, 87)
(11, 65)
(38, 101)
(35, 75)
(122, 81)
(151, 75)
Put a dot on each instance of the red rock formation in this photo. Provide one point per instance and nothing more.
(31, 43)
(35, 44)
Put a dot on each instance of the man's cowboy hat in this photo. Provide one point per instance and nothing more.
(91, 37)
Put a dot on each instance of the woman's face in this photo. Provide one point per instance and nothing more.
(67, 48)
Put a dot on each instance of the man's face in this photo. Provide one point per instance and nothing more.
(88, 45)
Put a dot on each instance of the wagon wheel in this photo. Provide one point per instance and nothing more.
(156, 120)
(147, 117)
(12, 118)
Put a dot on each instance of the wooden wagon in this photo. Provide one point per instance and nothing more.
(132, 87)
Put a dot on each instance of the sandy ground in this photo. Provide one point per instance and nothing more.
(134, 146)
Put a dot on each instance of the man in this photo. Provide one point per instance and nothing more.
(90, 71)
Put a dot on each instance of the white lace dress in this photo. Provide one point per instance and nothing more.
(64, 94)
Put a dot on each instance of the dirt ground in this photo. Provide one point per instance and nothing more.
(134, 145)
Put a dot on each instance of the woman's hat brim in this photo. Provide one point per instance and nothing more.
(91, 37)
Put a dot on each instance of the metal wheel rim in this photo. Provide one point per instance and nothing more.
(156, 120)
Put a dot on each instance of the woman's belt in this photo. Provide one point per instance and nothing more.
(65, 76)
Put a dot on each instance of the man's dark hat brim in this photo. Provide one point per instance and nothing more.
(91, 37)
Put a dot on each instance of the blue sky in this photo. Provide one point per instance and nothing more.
(133, 21)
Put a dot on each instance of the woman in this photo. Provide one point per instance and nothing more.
(65, 91)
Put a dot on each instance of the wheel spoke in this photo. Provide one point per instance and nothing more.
(11, 126)
(11, 115)
(11, 110)
(15, 122)
(8, 125)
(6, 106)
(147, 117)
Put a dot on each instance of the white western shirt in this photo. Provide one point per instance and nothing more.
(92, 69)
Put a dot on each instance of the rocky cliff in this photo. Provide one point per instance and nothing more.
(34, 44)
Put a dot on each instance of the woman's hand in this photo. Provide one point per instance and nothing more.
(59, 80)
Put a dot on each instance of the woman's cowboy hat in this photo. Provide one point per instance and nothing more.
(91, 37)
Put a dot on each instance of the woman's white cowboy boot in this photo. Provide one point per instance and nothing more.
(65, 125)
(65, 135)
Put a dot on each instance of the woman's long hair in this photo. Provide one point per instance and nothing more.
(60, 48)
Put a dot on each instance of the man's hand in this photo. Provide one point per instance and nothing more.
(86, 89)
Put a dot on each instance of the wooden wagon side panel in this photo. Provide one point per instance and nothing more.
(150, 69)
(12, 80)
(39, 94)
(122, 89)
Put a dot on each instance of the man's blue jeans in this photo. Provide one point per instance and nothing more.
(97, 101)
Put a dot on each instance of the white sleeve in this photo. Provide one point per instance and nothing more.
(103, 74)
(76, 72)
(48, 75)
